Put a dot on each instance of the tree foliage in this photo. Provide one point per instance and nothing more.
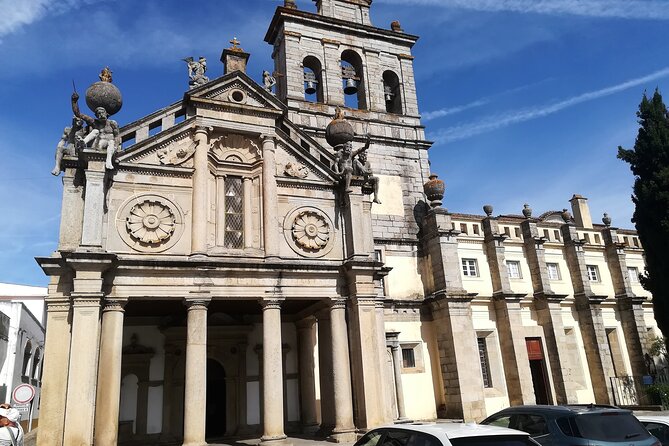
(649, 162)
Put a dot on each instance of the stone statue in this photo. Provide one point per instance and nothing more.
(268, 81)
(68, 141)
(105, 75)
(104, 133)
(362, 167)
(343, 166)
(196, 70)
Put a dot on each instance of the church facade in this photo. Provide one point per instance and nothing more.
(243, 270)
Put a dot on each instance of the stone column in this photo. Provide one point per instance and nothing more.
(248, 216)
(195, 402)
(344, 430)
(72, 210)
(590, 318)
(109, 374)
(386, 401)
(94, 201)
(306, 339)
(272, 367)
(271, 230)
(509, 322)
(325, 362)
(56, 359)
(394, 344)
(200, 189)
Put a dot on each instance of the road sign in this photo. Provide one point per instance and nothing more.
(23, 408)
(23, 393)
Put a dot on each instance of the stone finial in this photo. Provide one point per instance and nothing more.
(395, 26)
(290, 4)
(566, 216)
(487, 208)
(606, 220)
(339, 131)
(527, 211)
(235, 45)
(434, 190)
(105, 75)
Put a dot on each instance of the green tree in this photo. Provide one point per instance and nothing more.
(649, 162)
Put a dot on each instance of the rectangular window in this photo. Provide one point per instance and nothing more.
(234, 213)
(513, 267)
(485, 363)
(476, 228)
(593, 273)
(517, 232)
(507, 231)
(557, 234)
(408, 358)
(463, 228)
(587, 238)
(553, 271)
(469, 268)
(633, 272)
(597, 239)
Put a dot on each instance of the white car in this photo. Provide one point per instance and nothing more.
(445, 434)
(657, 425)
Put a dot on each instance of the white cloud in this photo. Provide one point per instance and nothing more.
(508, 118)
(16, 14)
(628, 9)
(428, 116)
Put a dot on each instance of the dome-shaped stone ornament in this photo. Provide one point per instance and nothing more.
(566, 216)
(339, 131)
(527, 211)
(606, 220)
(311, 231)
(434, 190)
(150, 222)
(487, 208)
(104, 94)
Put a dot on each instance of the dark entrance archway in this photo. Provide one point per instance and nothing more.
(216, 400)
(535, 353)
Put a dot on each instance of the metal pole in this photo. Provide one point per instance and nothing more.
(30, 415)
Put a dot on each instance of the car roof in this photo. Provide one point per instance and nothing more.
(575, 408)
(654, 418)
(456, 430)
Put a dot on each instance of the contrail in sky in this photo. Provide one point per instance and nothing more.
(506, 119)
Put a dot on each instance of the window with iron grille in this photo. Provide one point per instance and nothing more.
(485, 363)
(408, 358)
(234, 213)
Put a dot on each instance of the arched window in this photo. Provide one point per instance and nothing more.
(391, 92)
(36, 362)
(27, 353)
(313, 80)
(353, 80)
(234, 213)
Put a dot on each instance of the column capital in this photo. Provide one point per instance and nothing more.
(202, 129)
(197, 303)
(271, 304)
(268, 138)
(114, 305)
(59, 305)
(82, 300)
(338, 304)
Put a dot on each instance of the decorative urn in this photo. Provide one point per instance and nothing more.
(566, 216)
(434, 190)
(339, 131)
(487, 208)
(527, 211)
(606, 220)
(104, 94)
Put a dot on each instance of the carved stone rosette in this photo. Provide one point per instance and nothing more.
(149, 223)
(309, 231)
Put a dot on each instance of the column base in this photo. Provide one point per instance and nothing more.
(403, 420)
(343, 436)
(195, 443)
(279, 440)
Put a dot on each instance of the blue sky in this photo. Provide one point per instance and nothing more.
(526, 100)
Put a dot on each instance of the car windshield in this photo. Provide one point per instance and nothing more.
(497, 440)
(610, 426)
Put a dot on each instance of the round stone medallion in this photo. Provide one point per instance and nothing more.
(309, 231)
(149, 223)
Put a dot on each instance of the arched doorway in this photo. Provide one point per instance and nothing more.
(216, 400)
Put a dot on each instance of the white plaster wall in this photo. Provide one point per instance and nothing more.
(636, 260)
(524, 284)
(154, 419)
(403, 281)
(481, 284)
(128, 407)
(149, 336)
(563, 285)
(253, 402)
(418, 388)
(605, 285)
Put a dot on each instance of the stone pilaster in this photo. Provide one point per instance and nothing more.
(272, 388)
(270, 207)
(509, 322)
(384, 373)
(549, 314)
(357, 225)
(344, 429)
(325, 362)
(394, 344)
(72, 210)
(307, 339)
(107, 405)
(590, 320)
(334, 94)
(629, 305)
(195, 402)
(200, 177)
(94, 201)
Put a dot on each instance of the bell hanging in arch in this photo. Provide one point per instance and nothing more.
(310, 87)
(351, 86)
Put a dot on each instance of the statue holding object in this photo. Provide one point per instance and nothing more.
(363, 168)
(343, 166)
(67, 143)
(104, 134)
(196, 70)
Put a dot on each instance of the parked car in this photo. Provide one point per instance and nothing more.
(658, 426)
(444, 434)
(576, 425)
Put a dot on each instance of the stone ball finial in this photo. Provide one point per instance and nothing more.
(434, 190)
(104, 94)
(487, 208)
(290, 4)
(527, 211)
(395, 26)
(566, 216)
(606, 220)
(339, 131)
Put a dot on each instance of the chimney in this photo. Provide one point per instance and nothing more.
(234, 58)
(581, 211)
